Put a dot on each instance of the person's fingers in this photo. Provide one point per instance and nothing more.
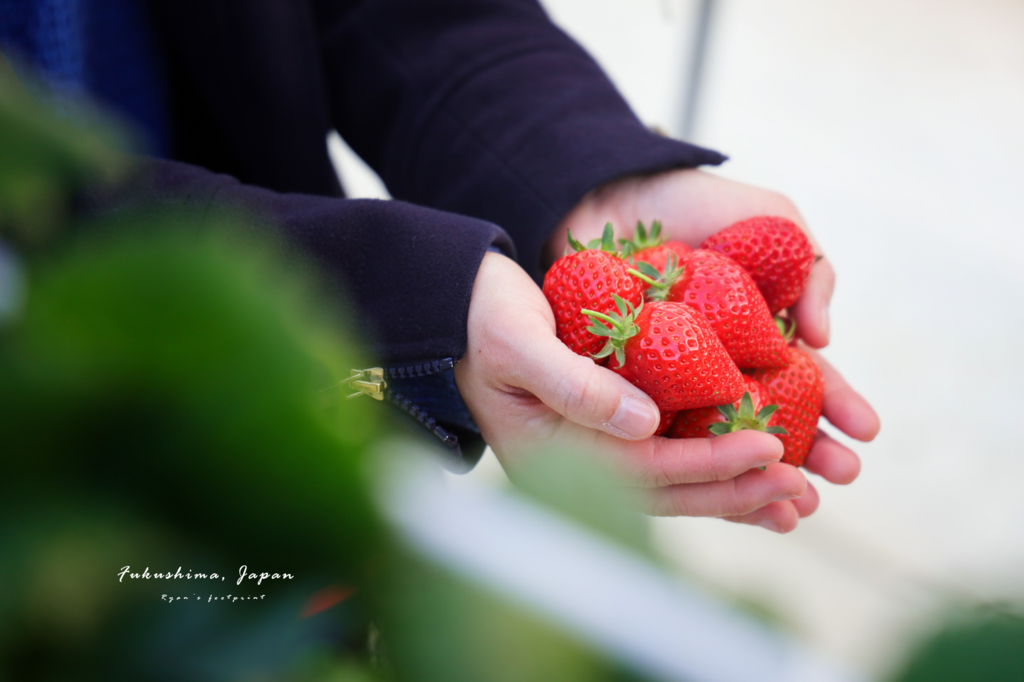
(782, 517)
(778, 517)
(582, 391)
(659, 462)
(807, 503)
(811, 311)
(735, 497)
(843, 406)
(832, 460)
(513, 349)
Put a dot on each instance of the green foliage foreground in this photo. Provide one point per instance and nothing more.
(170, 398)
(162, 397)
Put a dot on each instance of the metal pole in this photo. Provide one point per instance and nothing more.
(698, 58)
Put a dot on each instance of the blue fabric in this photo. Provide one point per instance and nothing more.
(438, 395)
(47, 36)
(102, 48)
(124, 71)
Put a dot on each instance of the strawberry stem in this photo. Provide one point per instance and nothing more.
(606, 243)
(619, 328)
(786, 327)
(600, 316)
(745, 419)
(660, 282)
(645, 278)
(608, 239)
(641, 239)
(574, 243)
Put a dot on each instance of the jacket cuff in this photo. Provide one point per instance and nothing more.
(408, 270)
(427, 392)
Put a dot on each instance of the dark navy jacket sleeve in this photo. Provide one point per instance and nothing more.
(484, 108)
(409, 270)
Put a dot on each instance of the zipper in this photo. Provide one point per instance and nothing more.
(441, 433)
(373, 382)
(420, 370)
(367, 382)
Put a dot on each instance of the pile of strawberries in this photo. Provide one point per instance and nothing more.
(696, 329)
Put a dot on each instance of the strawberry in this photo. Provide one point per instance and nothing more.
(705, 422)
(660, 256)
(775, 252)
(650, 248)
(668, 417)
(588, 279)
(670, 352)
(724, 293)
(798, 390)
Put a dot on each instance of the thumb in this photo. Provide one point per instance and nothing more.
(586, 393)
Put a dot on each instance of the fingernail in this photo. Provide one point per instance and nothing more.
(635, 418)
(824, 318)
(771, 525)
(764, 463)
(785, 496)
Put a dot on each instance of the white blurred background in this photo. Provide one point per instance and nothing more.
(898, 129)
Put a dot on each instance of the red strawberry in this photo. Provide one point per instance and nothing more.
(775, 252)
(724, 293)
(668, 417)
(650, 248)
(700, 423)
(660, 256)
(798, 390)
(588, 279)
(670, 352)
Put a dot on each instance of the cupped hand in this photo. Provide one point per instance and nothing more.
(692, 205)
(526, 389)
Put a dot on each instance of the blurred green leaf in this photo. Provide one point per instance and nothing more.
(585, 489)
(46, 156)
(189, 383)
(437, 627)
(329, 669)
(183, 373)
(980, 645)
(57, 595)
(171, 396)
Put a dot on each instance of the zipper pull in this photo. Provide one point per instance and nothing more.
(367, 382)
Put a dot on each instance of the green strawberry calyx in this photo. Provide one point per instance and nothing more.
(786, 327)
(658, 283)
(619, 328)
(606, 243)
(642, 239)
(745, 419)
